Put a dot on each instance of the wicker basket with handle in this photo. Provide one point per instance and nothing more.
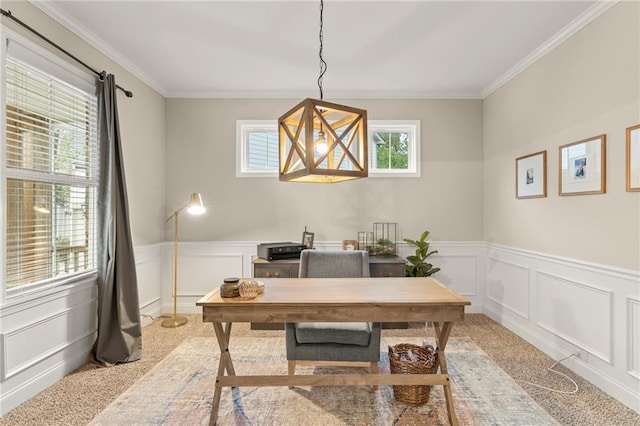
(406, 358)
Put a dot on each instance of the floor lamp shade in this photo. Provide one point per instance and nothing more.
(194, 206)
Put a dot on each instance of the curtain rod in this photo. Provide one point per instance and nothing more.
(8, 14)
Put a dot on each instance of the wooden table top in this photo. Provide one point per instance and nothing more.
(344, 291)
(339, 299)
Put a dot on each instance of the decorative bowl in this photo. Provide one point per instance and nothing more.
(249, 289)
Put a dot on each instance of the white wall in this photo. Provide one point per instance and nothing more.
(47, 334)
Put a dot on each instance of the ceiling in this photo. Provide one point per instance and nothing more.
(387, 49)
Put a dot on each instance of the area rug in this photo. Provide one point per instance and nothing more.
(179, 390)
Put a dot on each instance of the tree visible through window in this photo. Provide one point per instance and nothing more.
(391, 150)
(394, 148)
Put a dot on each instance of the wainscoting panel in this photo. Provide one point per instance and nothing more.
(44, 336)
(201, 274)
(202, 266)
(633, 336)
(508, 285)
(462, 268)
(149, 261)
(574, 307)
(462, 273)
(578, 312)
(31, 343)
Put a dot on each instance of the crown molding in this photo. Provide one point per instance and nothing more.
(50, 9)
(563, 35)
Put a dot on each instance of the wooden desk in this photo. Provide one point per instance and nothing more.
(337, 299)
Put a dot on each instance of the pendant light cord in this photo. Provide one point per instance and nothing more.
(323, 64)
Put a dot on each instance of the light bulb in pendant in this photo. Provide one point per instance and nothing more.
(321, 143)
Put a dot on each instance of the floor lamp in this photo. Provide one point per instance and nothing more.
(193, 207)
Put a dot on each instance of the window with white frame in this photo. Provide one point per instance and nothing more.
(256, 148)
(50, 167)
(394, 148)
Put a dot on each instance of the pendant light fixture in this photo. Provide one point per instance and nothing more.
(321, 141)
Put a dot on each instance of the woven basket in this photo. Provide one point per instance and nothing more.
(406, 358)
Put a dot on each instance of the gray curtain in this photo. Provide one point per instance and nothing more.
(119, 333)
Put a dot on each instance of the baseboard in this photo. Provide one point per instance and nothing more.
(150, 311)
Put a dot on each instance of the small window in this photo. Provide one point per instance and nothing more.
(257, 148)
(394, 148)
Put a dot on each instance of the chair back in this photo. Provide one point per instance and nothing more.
(334, 264)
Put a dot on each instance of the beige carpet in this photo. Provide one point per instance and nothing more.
(82, 395)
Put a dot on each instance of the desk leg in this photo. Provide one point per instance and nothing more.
(223, 341)
(225, 364)
(442, 336)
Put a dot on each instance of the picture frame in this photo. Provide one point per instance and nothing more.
(633, 158)
(349, 245)
(307, 239)
(582, 167)
(531, 175)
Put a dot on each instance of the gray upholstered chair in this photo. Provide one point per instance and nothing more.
(333, 343)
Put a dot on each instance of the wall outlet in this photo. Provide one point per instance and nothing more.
(581, 354)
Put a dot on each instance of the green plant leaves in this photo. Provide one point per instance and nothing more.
(417, 267)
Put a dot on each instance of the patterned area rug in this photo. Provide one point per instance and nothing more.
(178, 391)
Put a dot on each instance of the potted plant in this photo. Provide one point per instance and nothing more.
(417, 265)
(385, 246)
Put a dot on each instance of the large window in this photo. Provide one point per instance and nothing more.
(394, 148)
(50, 153)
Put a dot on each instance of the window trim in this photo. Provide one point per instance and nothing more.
(22, 48)
(413, 164)
(243, 127)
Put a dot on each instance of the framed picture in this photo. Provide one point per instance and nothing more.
(307, 239)
(582, 167)
(531, 175)
(633, 158)
(349, 245)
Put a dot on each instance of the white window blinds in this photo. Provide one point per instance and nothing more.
(256, 148)
(51, 153)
